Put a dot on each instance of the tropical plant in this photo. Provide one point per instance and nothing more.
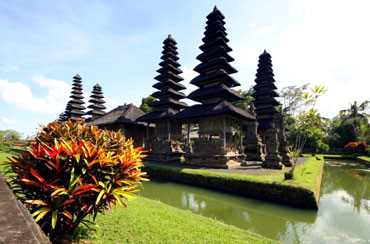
(75, 170)
(351, 125)
(307, 128)
(356, 147)
(244, 104)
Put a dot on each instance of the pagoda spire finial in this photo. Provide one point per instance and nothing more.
(215, 8)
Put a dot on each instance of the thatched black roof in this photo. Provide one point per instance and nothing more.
(125, 114)
(217, 52)
(171, 92)
(169, 84)
(216, 75)
(170, 103)
(220, 62)
(158, 115)
(213, 109)
(215, 91)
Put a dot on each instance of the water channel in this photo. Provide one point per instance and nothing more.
(343, 215)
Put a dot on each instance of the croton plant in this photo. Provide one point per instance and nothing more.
(75, 170)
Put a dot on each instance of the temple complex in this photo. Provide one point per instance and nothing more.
(216, 117)
(168, 144)
(96, 102)
(271, 126)
(74, 109)
(212, 133)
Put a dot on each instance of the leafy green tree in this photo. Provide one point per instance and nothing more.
(307, 128)
(7, 139)
(244, 104)
(145, 101)
(351, 125)
(292, 99)
(10, 135)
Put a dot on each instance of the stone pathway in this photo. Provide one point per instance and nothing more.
(253, 168)
(16, 223)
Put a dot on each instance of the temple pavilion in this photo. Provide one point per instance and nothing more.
(168, 145)
(216, 145)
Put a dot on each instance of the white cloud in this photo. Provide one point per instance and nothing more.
(8, 121)
(265, 30)
(9, 68)
(328, 47)
(188, 74)
(110, 104)
(247, 57)
(20, 94)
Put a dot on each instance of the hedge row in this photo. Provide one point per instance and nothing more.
(276, 191)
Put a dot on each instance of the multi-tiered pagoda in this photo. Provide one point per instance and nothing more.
(167, 145)
(271, 127)
(74, 109)
(96, 102)
(215, 116)
(265, 94)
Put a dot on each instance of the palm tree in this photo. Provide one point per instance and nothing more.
(355, 111)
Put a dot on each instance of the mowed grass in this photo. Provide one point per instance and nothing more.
(3, 158)
(149, 221)
(366, 158)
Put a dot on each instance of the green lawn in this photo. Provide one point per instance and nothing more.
(3, 156)
(149, 221)
(366, 158)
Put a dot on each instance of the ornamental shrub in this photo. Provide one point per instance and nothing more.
(356, 147)
(72, 171)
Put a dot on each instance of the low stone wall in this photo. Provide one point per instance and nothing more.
(16, 223)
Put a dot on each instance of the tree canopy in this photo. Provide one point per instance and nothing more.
(145, 101)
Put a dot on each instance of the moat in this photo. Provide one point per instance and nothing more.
(343, 215)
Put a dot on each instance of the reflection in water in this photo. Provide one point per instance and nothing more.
(343, 215)
(187, 200)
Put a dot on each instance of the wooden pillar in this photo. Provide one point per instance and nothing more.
(147, 135)
(188, 138)
(169, 130)
(241, 137)
(224, 131)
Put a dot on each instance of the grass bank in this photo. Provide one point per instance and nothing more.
(3, 158)
(303, 190)
(149, 221)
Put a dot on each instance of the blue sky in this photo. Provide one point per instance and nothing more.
(117, 44)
